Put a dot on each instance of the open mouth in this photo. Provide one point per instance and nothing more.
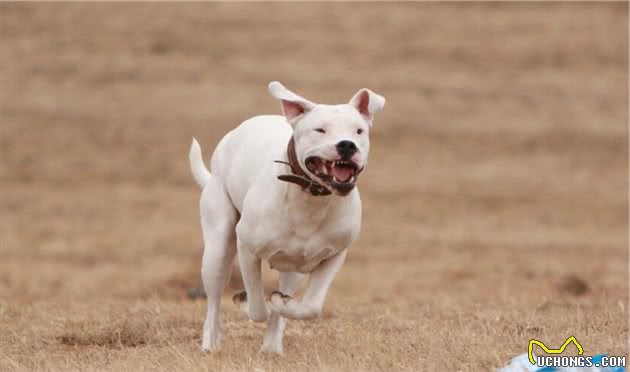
(339, 174)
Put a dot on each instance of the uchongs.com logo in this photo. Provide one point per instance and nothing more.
(554, 359)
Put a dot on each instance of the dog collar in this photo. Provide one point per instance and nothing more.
(298, 176)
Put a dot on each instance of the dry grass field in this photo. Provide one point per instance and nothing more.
(495, 203)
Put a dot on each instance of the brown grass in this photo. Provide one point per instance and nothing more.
(495, 204)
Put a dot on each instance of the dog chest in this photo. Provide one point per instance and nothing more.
(297, 235)
(296, 254)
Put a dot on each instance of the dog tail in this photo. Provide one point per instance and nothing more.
(197, 167)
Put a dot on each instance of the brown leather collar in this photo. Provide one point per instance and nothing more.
(298, 176)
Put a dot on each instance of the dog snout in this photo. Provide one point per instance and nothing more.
(346, 149)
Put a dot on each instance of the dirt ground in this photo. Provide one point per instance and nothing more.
(495, 203)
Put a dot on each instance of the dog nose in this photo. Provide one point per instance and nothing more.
(346, 148)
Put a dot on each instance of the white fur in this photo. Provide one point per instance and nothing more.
(246, 210)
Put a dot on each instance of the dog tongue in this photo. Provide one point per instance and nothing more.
(342, 173)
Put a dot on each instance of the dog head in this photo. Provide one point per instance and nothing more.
(332, 142)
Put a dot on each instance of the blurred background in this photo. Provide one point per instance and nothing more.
(495, 203)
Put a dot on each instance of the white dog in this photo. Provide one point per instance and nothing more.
(283, 190)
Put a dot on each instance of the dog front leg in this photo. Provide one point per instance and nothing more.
(252, 278)
(272, 341)
(313, 301)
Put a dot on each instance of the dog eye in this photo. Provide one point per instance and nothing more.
(320, 130)
(359, 131)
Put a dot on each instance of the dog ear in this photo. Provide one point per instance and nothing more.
(293, 106)
(367, 103)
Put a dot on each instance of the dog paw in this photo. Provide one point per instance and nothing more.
(271, 348)
(240, 300)
(211, 344)
(290, 308)
(279, 302)
(210, 348)
(278, 298)
(257, 315)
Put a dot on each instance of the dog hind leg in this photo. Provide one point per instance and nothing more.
(218, 219)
